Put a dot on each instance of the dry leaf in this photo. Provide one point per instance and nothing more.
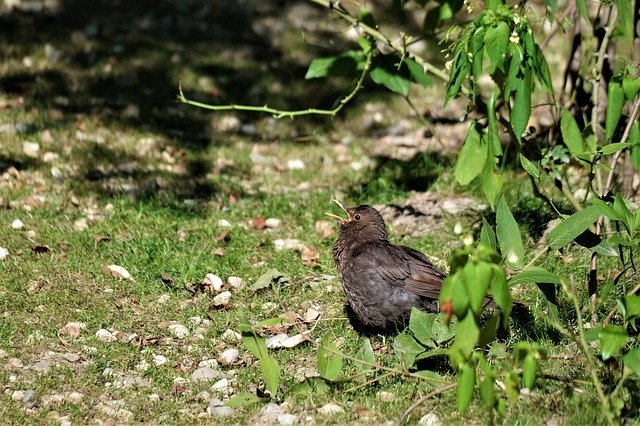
(222, 236)
(40, 250)
(232, 199)
(100, 239)
(258, 222)
(219, 252)
(168, 279)
(117, 271)
(311, 314)
(310, 255)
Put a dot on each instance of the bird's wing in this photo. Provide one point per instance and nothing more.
(402, 267)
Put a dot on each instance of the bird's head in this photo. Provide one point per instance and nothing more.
(363, 223)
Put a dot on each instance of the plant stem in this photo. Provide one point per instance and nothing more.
(416, 404)
(277, 113)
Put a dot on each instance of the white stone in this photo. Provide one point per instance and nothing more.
(214, 281)
(206, 373)
(211, 363)
(3, 253)
(229, 356)
(430, 419)
(272, 222)
(287, 419)
(224, 223)
(105, 335)
(17, 224)
(295, 164)
(235, 282)
(288, 244)
(222, 298)
(154, 397)
(231, 336)
(178, 330)
(275, 341)
(159, 360)
(330, 409)
(31, 149)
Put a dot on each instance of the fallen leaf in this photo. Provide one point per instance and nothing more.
(265, 280)
(311, 314)
(168, 279)
(232, 199)
(117, 271)
(100, 239)
(258, 222)
(222, 236)
(219, 252)
(309, 255)
(40, 250)
(178, 389)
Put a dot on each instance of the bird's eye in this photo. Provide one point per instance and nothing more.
(357, 217)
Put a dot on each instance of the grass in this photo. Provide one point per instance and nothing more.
(152, 188)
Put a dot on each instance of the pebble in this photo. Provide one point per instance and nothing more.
(214, 281)
(222, 298)
(287, 419)
(295, 164)
(17, 224)
(228, 336)
(163, 299)
(154, 397)
(17, 395)
(3, 253)
(229, 356)
(218, 410)
(159, 360)
(386, 396)
(3, 354)
(14, 364)
(224, 223)
(430, 419)
(178, 330)
(235, 282)
(105, 335)
(31, 149)
(222, 386)
(52, 399)
(275, 341)
(272, 222)
(211, 363)
(29, 397)
(206, 373)
(288, 244)
(330, 409)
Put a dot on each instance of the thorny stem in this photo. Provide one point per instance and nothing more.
(416, 404)
(277, 113)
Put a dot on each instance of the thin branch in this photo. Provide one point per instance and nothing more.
(416, 404)
(278, 113)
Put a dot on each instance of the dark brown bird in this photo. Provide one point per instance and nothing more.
(382, 281)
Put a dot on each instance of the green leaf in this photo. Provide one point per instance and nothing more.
(606, 209)
(491, 184)
(243, 399)
(346, 64)
(441, 331)
(464, 390)
(487, 392)
(631, 87)
(467, 334)
(406, 349)
(268, 322)
(612, 339)
(459, 69)
(542, 70)
(487, 236)
(552, 6)
(521, 110)
(529, 367)
(620, 206)
(534, 275)
(582, 7)
(614, 107)
(365, 354)
(634, 141)
(271, 373)
(509, 236)
(418, 75)
(573, 226)
(471, 158)
(476, 47)
(495, 149)
(386, 72)
(632, 360)
(329, 359)
(256, 344)
(477, 278)
(571, 134)
(631, 306)
(489, 330)
(420, 324)
(496, 39)
(365, 16)
(311, 386)
(500, 293)
(265, 280)
(530, 168)
(613, 147)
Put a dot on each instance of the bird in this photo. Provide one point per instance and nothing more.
(382, 281)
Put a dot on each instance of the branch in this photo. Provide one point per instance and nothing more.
(278, 113)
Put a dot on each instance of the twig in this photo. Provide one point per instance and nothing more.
(377, 35)
(278, 113)
(416, 404)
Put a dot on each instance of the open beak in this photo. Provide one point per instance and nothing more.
(340, 220)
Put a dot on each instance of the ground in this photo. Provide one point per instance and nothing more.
(116, 202)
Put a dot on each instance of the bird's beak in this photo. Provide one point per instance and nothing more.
(340, 220)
